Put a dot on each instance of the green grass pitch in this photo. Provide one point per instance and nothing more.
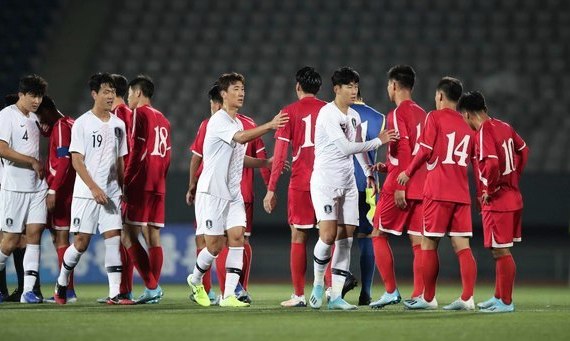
(542, 313)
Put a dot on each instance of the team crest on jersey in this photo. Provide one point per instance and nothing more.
(328, 209)
(209, 224)
(76, 222)
(353, 122)
(9, 222)
(118, 133)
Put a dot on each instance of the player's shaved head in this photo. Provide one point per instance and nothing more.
(121, 84)
(309, 80)
(472, 101)
(143, 83)
(228, 79)
(33, 84)
(404, 75)
(451, 88)
(345, 75)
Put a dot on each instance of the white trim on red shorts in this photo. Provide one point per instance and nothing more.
(60, 228)
(247, 234)
(415, 233)
(302, 227)
(394, 232)
(433, 234)
(461, 234)
(494, 244)
(517, 240)
(135, 223)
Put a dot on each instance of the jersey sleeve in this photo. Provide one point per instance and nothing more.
(139, 139)
(224, 130)
(62, 133)
(522, 151)
(279, 157)
(197, 146)
(77, 144)
(332, 127)
(284, 133)
(403, 147)
(123, 146)
(5, 131)
(486, 143)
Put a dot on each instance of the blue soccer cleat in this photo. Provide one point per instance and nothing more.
(316, 299)
(30, 297)
(420, 304)
(149, 295)
(387, 299)
(490, 302)
(499, 307)
(340, 304)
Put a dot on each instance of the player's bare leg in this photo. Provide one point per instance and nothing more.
(298, 264)
(385, 264)
(468, 269)
(505, 273)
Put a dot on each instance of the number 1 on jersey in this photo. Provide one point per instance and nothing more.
(459, 150)
(509, 148)
(308, 142)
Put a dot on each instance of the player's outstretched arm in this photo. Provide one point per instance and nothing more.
(251, 162)
(78, 162)
(10, 154)
(277, 122)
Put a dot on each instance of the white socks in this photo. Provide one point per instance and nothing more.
(234, 266)
(321, 257)
(113, 264)
(70, 259)
(31, 266)
(340, 266)
(203, 263)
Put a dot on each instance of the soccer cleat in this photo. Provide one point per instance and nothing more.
(364, 299)
(499, 307)
(420, 304)
(30, 297)
(71, 297)
(387, 299)
(233, 302)
(14, 296)
(199, 294)
(460, 304)
(120, 299)
(212, 295)
(295, 301)
(149, 295)
(60, 296)
(316, 299)
(340, 304)
(349, 283)
(103, 300)
(488, 303)
(244, 296)
(38, 292)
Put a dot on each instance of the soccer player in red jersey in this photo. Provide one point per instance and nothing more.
(501, 155)
(400, 207)
(300, 132)
(446, 144)
(145, 185)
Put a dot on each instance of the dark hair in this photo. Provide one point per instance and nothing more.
(404, 75)
(100, 78)
(309, 80)
(214, 94)
(10, 99)
(145, 84)
(228, 79)
(345, 75)
(451, 87)
(121, 84)
(471, 101)
(33, 84)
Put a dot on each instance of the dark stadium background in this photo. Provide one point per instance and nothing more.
(515, 51)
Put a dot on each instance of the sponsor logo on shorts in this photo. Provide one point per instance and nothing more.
(76, 222)
(209, 224)
(9, 222)
(328, 209)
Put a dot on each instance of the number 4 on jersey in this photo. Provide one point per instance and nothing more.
(460, 150)
(25, 137)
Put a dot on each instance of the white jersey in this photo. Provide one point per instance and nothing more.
(22, 133)
(223, 158)
(332, 167)
(101, 144)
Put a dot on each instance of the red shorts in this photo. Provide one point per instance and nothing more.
(300, 211)
(501, 229)
(391, 219)
(145, 209)
(60, 218)
(446, 217)
(248, 217)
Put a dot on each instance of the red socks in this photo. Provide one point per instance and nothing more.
(468, 269)
(247, 253)
(127, 274)
(506, 269)
(141, 262)
(497, 280)
(221, 268)
(156, 259)
(430, 270)
(298, 263)
(418, 277)
(384, 262)
(207, 279)
(60, 252)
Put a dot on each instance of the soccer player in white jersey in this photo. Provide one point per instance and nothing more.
(219, 204)
(23, 193)
(98, 144)
(333, 185)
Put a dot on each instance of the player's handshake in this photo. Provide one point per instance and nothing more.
(390, 135)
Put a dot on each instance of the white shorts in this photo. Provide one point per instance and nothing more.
(19, 209)
(87, 216)
(215, 215)
(340, 204)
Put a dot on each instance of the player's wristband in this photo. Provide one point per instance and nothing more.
(51, 191)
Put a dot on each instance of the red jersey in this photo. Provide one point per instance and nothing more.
(300, 132)
(255, 149)
(150, 153)
(446, 144)
(407, 119)
(61, 175)
(501, 155)
(123, 112)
